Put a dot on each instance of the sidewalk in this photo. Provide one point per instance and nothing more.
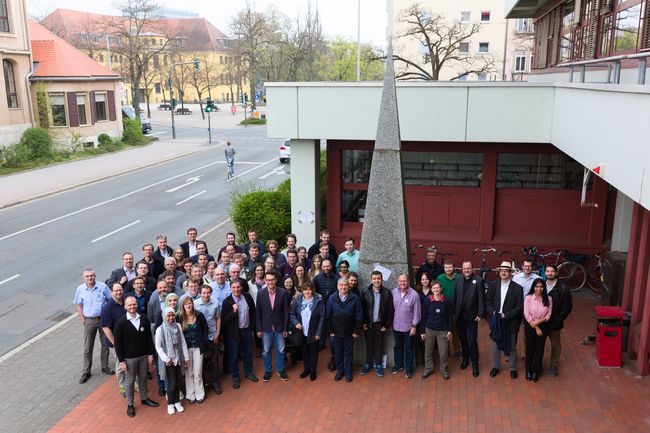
(584, 398)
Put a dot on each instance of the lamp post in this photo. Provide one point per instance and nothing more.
(195, 62)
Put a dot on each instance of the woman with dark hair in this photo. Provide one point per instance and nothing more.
(316, 269)
(423, 289)
(307, 315)
(300, 276)
(256, 282)
(344, 269)
(178, 255)
(302, 257)
(537, 312)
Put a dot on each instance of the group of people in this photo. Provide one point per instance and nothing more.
(180, 309)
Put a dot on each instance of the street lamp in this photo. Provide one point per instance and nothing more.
(194, 62)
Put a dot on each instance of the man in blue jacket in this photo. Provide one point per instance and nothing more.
(344, 319)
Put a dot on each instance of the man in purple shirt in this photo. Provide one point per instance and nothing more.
(405, 321)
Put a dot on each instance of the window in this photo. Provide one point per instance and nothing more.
(483, 47)
(156, 61)
(356, 166)
(10, 83)
(463, 47)
(520, 62)
(485, 16)
(81, 108)
(606, 39)
(157, 88)
(4, 16)
(463, 77)
(57, 109)
(100, 106)
(101, 58)
(353, 205)
(538, 171)
(523, 25)
(627, 29)
(442, 168)
(465, 16)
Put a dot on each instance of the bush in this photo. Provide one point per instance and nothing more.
(38, 141)
(253, 121)
(16, 155)
(133, 132)
(104, 139)
(268, 212)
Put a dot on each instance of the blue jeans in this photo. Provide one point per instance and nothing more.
(403, 346)
(243, 346)
(276, 339)
(343, 354)
(468, 333)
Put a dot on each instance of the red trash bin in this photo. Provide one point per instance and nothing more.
(609, 336)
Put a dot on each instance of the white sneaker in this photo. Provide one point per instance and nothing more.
(179, 407)
(170, 409)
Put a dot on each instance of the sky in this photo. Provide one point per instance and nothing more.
(338, 17)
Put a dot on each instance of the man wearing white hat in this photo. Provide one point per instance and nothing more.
(504, 306)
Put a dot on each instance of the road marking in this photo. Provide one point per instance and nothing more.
(96, 205)
(191, 197)
(115, 231)
(247, 171)
(168, 155)
(277, 171)
(202, 235)
(37, 337)
(158, 133)
(6, 280)
(189, 181)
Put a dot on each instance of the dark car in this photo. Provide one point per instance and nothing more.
(129, 111)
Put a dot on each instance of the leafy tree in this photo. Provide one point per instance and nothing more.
(440, 41)
(340, 62)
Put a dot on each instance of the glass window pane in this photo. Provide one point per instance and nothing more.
(538, 171)
(442, 168)
(57, 103)
(356, 166)
(353, 205)
(81, 109)
(627, 29)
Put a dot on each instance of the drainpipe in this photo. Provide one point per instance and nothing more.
(505, 53)
(28, 44)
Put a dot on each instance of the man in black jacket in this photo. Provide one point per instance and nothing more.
(272, 312)
(430, 266)
(315, 249)
(377, 303)
(123, 274)
(505, 301)
(238, 325)
(469, 300)
(325, 284)
(134, 347)
(562, 306)
(344, 319)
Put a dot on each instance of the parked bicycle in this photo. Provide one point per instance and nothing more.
(596, 275)
(485, 268)
(570, 269)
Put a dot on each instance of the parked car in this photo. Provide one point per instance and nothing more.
(285, 151)
(129, 111)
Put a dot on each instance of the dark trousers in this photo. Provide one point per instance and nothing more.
(211, 363)
(468, 332)
(374, 345)
(343, 354)
(534, 348)
(243, 346)
(174, 381)
(310, 355)
(403, 350)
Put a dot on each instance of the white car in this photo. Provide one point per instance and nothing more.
(285, 151)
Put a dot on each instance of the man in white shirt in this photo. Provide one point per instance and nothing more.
(526, 277)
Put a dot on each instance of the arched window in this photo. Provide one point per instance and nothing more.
(10, 83)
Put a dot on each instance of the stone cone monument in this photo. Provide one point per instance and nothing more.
(385, 237)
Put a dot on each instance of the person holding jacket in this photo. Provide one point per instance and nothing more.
(344, 320)
(435, 328)
(377, 303)
(307, 314)
(562, 306)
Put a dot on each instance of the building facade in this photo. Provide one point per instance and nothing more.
(166, 42)
(75, 98)
(15, 108)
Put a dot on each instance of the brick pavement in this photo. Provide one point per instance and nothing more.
(584, 398)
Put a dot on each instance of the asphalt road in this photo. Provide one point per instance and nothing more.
(45, 244)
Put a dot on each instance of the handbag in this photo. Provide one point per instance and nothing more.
(294, 337)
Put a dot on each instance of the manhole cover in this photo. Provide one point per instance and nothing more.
(58, 317)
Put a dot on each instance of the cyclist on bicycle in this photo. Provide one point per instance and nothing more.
(230, 156)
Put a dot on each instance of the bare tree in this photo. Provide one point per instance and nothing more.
(441, 42)
(139, 35)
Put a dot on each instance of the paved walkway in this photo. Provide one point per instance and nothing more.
(584, 398)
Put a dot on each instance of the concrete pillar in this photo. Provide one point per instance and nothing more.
(622, 222)
(305, 190)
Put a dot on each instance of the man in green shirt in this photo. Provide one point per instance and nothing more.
(448, 282)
